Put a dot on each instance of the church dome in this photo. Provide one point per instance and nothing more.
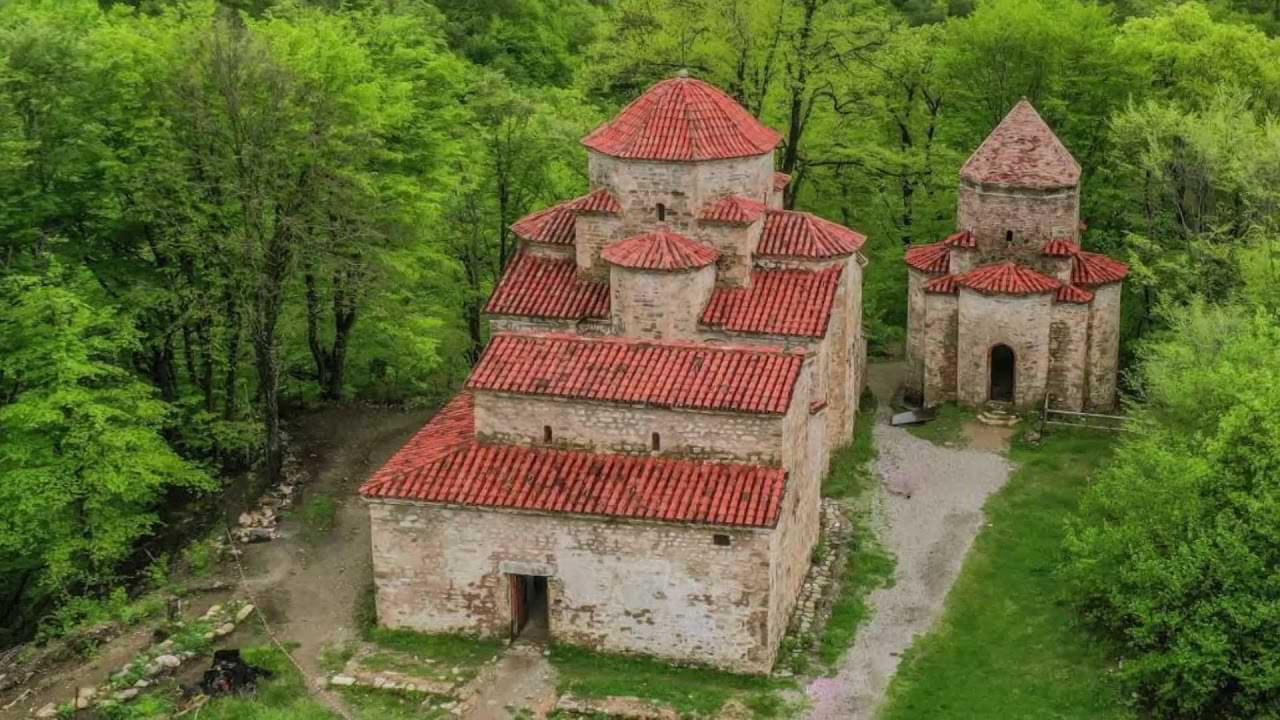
(683, 119)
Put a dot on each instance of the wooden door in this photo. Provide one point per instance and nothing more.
(519, 605)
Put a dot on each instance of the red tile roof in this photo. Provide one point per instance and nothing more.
(1073, 294)
(1022, 152)
(933, 258)
(733, 209)
(788, 233)
(962, 239)
(661, 250)
(683, 119)
(1061, 247)
(781, 180)
(599, 200)
(554, 225)
(444, 464)
(660, 374)
(779, 302)
(1095, 269)
(942, 285)
(549, 288)
(1007, 278)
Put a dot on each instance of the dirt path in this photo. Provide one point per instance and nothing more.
(522, 680)
(309, 587)
(929, 532)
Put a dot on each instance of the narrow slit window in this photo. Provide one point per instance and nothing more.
(721, 540)
(662, 212)
(656, 441)
(1008, 236)
(546, 433)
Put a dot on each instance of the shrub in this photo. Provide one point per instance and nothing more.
(1175, 549)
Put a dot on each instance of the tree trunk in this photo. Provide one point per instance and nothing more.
(231, 406)
(318, 353)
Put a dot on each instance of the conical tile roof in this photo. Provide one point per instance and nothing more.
(1022, 152)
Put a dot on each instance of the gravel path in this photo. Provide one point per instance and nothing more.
(929, 533)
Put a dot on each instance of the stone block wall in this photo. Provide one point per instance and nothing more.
(798, 527)
(592, 233)
(1104, 346)
(659, 305)
(665, 590)
(1034, 217)
(612, 427)
(1019, 321)
(736, 244)
(1068, 356)
(916, 341)
(940, 339)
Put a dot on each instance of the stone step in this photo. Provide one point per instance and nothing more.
(997, 418)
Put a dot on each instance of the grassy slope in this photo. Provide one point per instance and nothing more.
(1007, 647)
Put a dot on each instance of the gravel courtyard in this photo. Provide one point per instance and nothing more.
(929, 509)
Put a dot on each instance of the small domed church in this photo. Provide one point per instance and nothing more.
(1008, 310)
(635, 463)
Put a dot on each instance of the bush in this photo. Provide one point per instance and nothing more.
(1175, 550)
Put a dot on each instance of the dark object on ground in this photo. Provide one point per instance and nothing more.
(230, 675)
(913, 417)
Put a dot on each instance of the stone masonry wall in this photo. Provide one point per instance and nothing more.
(915, 332)
(1034, 217)
(662, 590)
(941, 337)
(736, 244)
(1104, 346)
(592, 233)
(659, 305)
(1022, 323)
(612, 427)
(1068, 352)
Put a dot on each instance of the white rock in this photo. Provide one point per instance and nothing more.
(167, 661)
(225, 629)
(244, 612)
(127, 694)
(342, 680)
(84, 696)
(47, 711)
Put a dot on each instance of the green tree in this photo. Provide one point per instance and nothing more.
(84, 464)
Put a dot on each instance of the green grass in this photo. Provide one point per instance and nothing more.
(691, 691)
(945, 429)
(1008, 646)
(851, 473)
(319, 515)
(446, 649)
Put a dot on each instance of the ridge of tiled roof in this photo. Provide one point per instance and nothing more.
(942, 285)
(554, 225)
(660, 250)
(791, 233)
(1007, 278)
(686, 120)
(933, 258)
(1073, 294)
(1096, 269)
(666, 374)
(1061, 247)
(778, 302)
(733, 209)
(781, 180)
(542, 287)
(1023, 152)
(599, 200)
(443, 464)
(961, 239)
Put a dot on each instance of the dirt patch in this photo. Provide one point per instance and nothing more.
(930, 532)
(990, 438)
(522, 682)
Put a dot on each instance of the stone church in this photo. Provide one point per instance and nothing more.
(634, 464)
(1009, 309)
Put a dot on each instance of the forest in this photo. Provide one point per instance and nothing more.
(215, 214)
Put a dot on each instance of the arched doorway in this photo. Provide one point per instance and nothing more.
(1002, 373)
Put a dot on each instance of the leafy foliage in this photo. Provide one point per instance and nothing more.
(1175, 549)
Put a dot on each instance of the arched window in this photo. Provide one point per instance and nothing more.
(662, 212)
(656, 442)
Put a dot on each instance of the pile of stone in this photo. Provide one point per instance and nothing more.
(813, 606)
(151, 665)
(261, 524)
(628, 708)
